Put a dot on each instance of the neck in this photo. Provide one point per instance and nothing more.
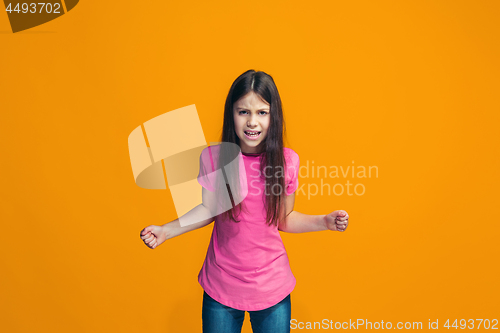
(251, 150)
(250, 153)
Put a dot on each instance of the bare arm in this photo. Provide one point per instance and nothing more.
(297, 222)
(203, 214)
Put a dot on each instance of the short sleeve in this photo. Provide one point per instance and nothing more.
(292, 174)
(206, 176)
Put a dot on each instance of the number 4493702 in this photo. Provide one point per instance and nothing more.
(472, 323)
(33, 8)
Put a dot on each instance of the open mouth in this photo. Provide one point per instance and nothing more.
(252, 134)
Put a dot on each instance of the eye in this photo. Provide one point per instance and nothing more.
(263, 112)
(241, 112)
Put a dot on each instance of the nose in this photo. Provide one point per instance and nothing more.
(252, 122)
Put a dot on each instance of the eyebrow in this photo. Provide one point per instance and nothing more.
(266, 109)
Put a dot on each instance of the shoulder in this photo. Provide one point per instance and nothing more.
(210, 150)
(209, 157)
(290, 154)
(292, 164)
(291, 157)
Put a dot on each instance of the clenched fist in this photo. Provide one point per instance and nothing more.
(337, 220)
(153, 235)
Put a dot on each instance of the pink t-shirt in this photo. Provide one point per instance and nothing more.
(247, 266)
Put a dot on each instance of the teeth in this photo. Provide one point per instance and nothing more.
(252, 133)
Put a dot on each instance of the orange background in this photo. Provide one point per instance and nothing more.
(409, 87)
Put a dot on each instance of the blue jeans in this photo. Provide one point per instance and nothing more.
(219, 318)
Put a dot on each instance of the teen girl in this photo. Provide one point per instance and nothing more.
(246, 267)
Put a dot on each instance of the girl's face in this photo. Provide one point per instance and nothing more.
(251, 122)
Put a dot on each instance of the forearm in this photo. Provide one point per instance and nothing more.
(198, 213)
(297, 222)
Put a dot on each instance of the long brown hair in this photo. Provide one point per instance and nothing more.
(262, 84)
